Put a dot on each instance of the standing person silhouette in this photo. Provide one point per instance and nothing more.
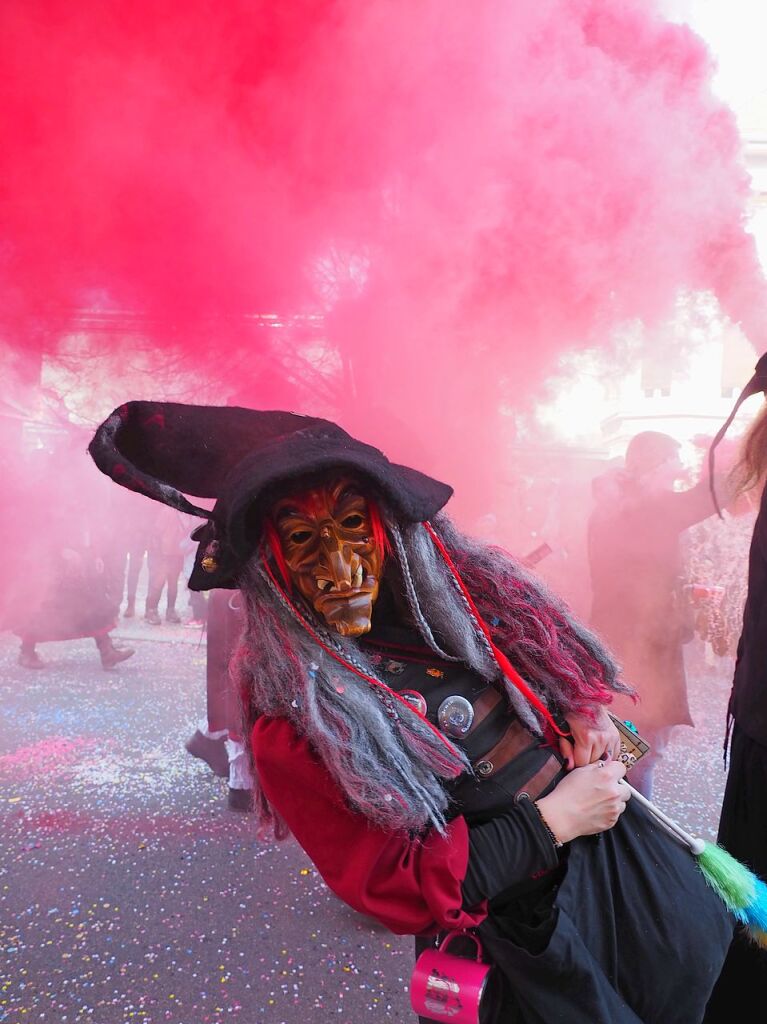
(66, 592)
(218, 738)
(138, 538)
(166, 561)
(638, 604)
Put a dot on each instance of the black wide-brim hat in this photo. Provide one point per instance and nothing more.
(244, 459)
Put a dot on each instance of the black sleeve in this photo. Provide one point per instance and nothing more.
(507, 850)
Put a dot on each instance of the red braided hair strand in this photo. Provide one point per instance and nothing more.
(503, 662)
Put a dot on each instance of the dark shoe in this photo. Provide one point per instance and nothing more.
(31, 659)
(115, 655)
(213, 752)
(129, 612)
(239, 800)
(152, 617)
(172, 616)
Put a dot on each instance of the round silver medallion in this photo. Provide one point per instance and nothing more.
(455, 715)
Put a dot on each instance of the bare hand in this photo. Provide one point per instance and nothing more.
(595, 739)
(587, 801)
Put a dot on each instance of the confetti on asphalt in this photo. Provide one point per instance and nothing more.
(131, 894)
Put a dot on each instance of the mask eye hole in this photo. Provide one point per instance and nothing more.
(300, 536)
(352, 522)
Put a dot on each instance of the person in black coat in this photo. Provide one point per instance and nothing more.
(743, 818)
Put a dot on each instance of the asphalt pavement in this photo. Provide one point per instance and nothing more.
(131, 894)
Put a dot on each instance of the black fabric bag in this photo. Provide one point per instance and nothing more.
(631, 935)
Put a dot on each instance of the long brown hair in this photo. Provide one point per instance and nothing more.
(750, 471)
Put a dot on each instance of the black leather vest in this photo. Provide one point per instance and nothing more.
(506, 757)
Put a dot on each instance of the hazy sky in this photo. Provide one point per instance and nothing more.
(735, 31)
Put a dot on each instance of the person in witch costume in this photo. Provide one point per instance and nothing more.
(427, 720)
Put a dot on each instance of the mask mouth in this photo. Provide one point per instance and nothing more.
(347, 599)
(338, 604)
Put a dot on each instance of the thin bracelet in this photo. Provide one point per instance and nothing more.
(546, 825)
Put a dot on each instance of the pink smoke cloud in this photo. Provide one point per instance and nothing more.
(503, 183)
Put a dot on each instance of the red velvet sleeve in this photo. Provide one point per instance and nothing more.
(413, 887)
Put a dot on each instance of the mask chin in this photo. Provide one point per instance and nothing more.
(350, 617)
(352, 629)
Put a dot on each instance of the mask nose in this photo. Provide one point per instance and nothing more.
(337, 557)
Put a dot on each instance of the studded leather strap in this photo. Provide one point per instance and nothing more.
(483, 705)
(514, 741)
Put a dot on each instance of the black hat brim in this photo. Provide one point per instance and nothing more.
(244, 458)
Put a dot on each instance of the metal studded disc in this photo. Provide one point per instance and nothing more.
(455, 715)
(396, 668)
(416, 699)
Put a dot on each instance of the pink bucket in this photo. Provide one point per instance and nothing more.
(449, 987)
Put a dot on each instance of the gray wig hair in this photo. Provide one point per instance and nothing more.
(388, 763)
